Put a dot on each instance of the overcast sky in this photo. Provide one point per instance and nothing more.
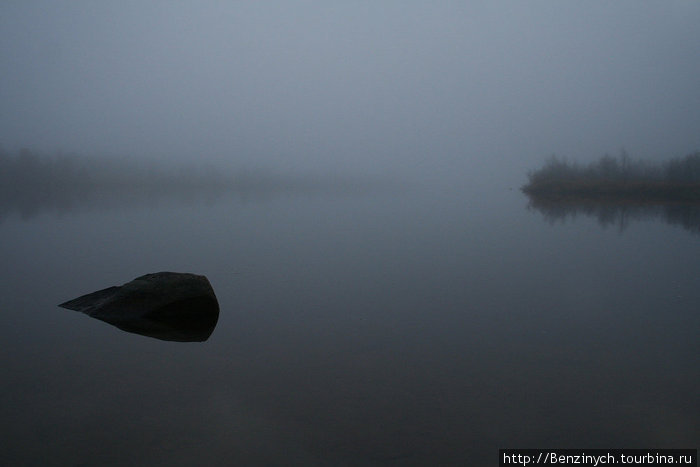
(462, 87)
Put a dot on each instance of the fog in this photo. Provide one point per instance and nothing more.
(427, 321)
(482, 91)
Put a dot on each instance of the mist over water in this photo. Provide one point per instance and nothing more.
(32, 183)
(347, 178)
(405, 327)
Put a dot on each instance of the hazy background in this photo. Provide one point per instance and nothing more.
(382, 326)
(477, 89)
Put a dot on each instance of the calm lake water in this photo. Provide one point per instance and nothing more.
(427, 326)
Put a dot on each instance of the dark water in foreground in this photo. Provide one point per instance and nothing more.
(427, 327)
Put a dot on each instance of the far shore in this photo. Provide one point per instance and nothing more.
(618, 179)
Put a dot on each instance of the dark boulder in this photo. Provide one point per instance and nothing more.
(165, 305)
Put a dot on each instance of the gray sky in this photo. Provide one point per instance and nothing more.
(480, 87)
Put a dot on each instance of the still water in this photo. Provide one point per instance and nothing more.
(425, 326)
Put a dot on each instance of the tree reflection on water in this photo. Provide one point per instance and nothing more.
(615, 212)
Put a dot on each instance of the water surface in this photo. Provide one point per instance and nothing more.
(427, 326)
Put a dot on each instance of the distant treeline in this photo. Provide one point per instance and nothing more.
(31, 182)
(676, 179)
(29, 171)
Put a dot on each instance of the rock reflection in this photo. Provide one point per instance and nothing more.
(615, 212)
(166, 305)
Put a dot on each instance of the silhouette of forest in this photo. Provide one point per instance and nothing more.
(617, 191)
(621, 178)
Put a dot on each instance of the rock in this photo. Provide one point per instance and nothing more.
(166, 305)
